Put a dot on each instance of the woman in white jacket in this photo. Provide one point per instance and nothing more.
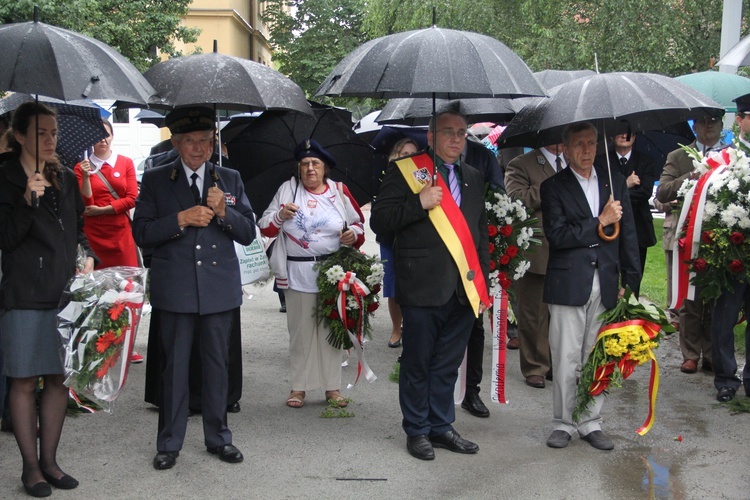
(311, 216)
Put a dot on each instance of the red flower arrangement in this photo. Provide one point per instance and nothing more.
(98, 324)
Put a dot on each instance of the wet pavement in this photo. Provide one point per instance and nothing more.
(295, 453)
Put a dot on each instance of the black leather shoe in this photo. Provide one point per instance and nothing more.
(558, 439)
(599, 440)
(453, 441)
(39, 490)
(227, 453)
(234, 407)
(165, 460)
(725, 395)
(66, 482)
(420, 447)
(474, 405)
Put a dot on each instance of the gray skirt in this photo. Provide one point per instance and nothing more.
(31, 343)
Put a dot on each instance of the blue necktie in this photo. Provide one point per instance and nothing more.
(453, 183)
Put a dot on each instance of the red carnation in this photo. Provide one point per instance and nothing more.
(492, 247)
(376, 288)
(373, 307)
(506, 230)
(512, 251)
(502, 276)
(493, 265)
(737, 238)
(334, 314)
(736, 266)
(504, 260)
(505, 284)
(699, 265)
(707, 237)
(492, 230)
(351, 323)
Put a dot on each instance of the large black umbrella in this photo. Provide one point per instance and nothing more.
(614, 101)
(550, 78)
(264, 152)
(224, 82)
(417, 111)
(37, 58)
(431, 62)
(79, 123)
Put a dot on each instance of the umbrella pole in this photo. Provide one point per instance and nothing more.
(434, 133)
(616, 233)
(34, 197)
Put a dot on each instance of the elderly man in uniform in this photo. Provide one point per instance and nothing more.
(695, 315)
(190, 212)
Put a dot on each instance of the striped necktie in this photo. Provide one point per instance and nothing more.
(453, 183)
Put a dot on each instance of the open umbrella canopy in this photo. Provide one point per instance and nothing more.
(614, 101)
(723, 88)
(79, 124)
(550, 78)
(417, 111)
(37, 58)
(431, 62)
(264, 152)
(739, 55)
(224, 82)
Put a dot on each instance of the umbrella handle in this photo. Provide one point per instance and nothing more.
(614, 235)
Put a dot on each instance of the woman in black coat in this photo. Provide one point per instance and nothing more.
(41, 226)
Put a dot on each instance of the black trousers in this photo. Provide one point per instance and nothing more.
(155, 364)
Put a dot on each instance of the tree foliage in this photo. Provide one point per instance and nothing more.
(314, 35)
(136, 28)
(671, 37)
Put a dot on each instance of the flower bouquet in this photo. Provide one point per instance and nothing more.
(98, 321)
(629, 333)
(511, 233)
(716, 224)
(348, 284)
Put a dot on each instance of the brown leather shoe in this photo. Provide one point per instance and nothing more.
(535, 381)
(689, 366)
(513, 343)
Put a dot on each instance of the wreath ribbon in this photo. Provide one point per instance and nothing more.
(647, 331)
(357, 290)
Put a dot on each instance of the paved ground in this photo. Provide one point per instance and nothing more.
(293, 453)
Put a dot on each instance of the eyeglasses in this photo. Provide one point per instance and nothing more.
(309, 163)
(450, 133)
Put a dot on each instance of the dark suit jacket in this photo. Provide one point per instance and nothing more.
(194, 270)
(426, 274)
(576, 249)
(647, 171)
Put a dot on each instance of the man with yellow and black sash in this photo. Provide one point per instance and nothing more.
(442, 262)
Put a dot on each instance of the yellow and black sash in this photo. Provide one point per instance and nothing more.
(451, 225)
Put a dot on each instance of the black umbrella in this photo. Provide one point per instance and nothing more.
(417, 111)
(79, 123)
(550, 78)
(41, 59)
(432, 62)
(264, 152)
(151, 116)
(614, 101)
(224, 82)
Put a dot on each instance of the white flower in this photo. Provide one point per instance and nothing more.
(335, 274)
(686, 186)
(710, 208)
(521, 270)
(376, 274)
(351, 303)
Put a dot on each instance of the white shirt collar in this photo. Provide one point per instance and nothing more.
(626, 156)
(551, 157)
(98, 162)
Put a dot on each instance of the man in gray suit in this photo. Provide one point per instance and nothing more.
(583, 272)
(523, 177)
(190, 212)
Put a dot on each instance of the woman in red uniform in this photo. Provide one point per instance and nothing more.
(109, 188)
